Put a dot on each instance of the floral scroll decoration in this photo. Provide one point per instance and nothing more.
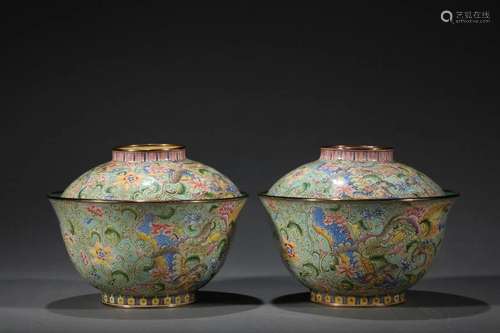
(359, 248)
(147, 249)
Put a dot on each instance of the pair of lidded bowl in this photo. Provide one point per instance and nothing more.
(151, 227)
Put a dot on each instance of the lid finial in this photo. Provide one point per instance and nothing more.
(361, 153)
(149, 152)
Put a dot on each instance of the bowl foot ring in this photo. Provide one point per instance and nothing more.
(169, 301)
(357, 301)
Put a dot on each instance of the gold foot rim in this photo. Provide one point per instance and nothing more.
(139, 302)
(357, 301)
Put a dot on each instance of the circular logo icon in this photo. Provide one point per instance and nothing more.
(446, 16)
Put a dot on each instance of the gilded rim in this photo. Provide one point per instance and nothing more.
(57, 196)
(138, 302)
(149, 147)
(448, 195)
(357, 148)
(357, 301)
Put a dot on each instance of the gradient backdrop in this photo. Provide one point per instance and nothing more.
(252, 98)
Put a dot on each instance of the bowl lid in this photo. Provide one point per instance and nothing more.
(355, 172)
(151, 172)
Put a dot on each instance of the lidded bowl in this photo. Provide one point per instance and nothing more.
(356, 227)
(149, 227)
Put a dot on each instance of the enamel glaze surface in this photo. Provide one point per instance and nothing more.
(151, 176)
(152, 180)
(334, 178)
(157, 228)
(358, 249)
(147, 254)
(345, 245)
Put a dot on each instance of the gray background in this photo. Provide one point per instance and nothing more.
(254, 99)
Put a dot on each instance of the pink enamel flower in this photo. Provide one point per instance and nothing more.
(158, 229)
(95, 210)
(225, 210)
(336, 218)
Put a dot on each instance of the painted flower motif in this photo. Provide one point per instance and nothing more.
(345, 191)
(95, 210)
(155, 169)
(128, 179)
(289, 250)
(101, 255)
(96, 181)
(199, 185)
(387, 170)
(225, 210)
(160, 273)
(342, 185)
(331, 218)
(161, 229)
(211, 247)
(346, 269)
(416, 212)
(84, 257)
(328, 168)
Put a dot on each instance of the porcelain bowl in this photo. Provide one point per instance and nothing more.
(147, 254)
(364, 252)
